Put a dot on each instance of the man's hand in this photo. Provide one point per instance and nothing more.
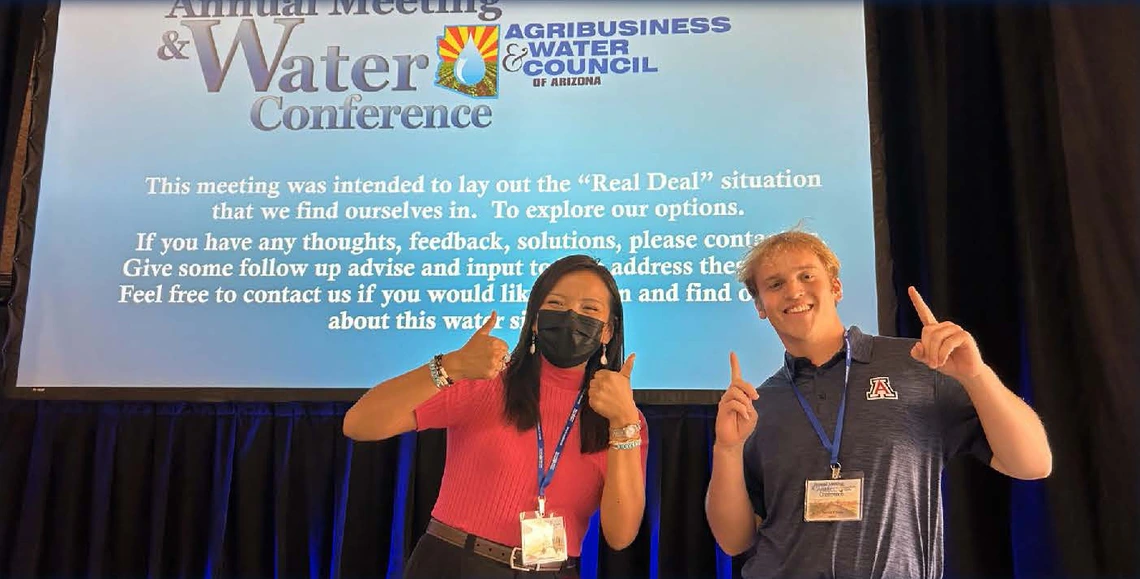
(735, 415)
(945, 346)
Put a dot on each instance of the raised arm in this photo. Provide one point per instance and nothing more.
(388, 409)
(1013, 430)
(623, 492)
(727, 506)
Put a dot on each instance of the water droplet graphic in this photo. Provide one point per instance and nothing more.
(469, 66)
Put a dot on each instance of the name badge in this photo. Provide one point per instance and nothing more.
(543, 539)
(835, 499)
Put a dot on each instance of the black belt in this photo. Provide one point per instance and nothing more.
(509, 556)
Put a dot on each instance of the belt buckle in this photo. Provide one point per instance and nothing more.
(516, 555)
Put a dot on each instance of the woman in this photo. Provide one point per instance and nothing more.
(560, 401)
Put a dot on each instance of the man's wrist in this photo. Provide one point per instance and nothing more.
(728, 451)
(980, 380)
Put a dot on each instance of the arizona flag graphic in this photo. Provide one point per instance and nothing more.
(469, 60)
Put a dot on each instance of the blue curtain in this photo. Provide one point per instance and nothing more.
(275, 490)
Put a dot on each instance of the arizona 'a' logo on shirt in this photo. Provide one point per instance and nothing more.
(881, 389)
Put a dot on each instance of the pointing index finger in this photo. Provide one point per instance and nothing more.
(738, 379)
(924, 314)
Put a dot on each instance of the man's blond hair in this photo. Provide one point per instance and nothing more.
(773, 245)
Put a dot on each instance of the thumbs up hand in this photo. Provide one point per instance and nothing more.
(611, 394)
(483, 356)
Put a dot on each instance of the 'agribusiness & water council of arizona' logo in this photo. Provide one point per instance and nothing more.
(469, 60)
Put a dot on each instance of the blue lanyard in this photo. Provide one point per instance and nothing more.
(833, 447)
(547, 475)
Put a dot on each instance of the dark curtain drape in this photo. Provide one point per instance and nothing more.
(1008, 144)
(1012, 149)
(274, 490)
(19, 30)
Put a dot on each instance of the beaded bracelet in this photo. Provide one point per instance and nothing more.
(626, 445)
(438, 374)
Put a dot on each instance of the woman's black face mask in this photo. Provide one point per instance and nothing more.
(566, 338)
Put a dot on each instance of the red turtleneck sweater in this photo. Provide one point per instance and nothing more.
(491, 470)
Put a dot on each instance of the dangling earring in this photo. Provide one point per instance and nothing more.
(604, 361)
(532, 343)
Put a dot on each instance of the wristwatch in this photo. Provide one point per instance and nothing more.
(627, 431)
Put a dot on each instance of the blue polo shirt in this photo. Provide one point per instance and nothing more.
(903, 422)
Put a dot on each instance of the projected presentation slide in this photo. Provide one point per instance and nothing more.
(243, 194)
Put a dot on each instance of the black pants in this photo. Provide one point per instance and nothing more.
(434, 558)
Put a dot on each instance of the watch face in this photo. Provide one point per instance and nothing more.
(630, 430)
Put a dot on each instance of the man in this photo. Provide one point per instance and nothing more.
(832, 467)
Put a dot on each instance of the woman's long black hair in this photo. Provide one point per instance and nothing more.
(522, 375)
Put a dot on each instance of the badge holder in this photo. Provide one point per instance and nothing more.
(543, 541)
(839, 498)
